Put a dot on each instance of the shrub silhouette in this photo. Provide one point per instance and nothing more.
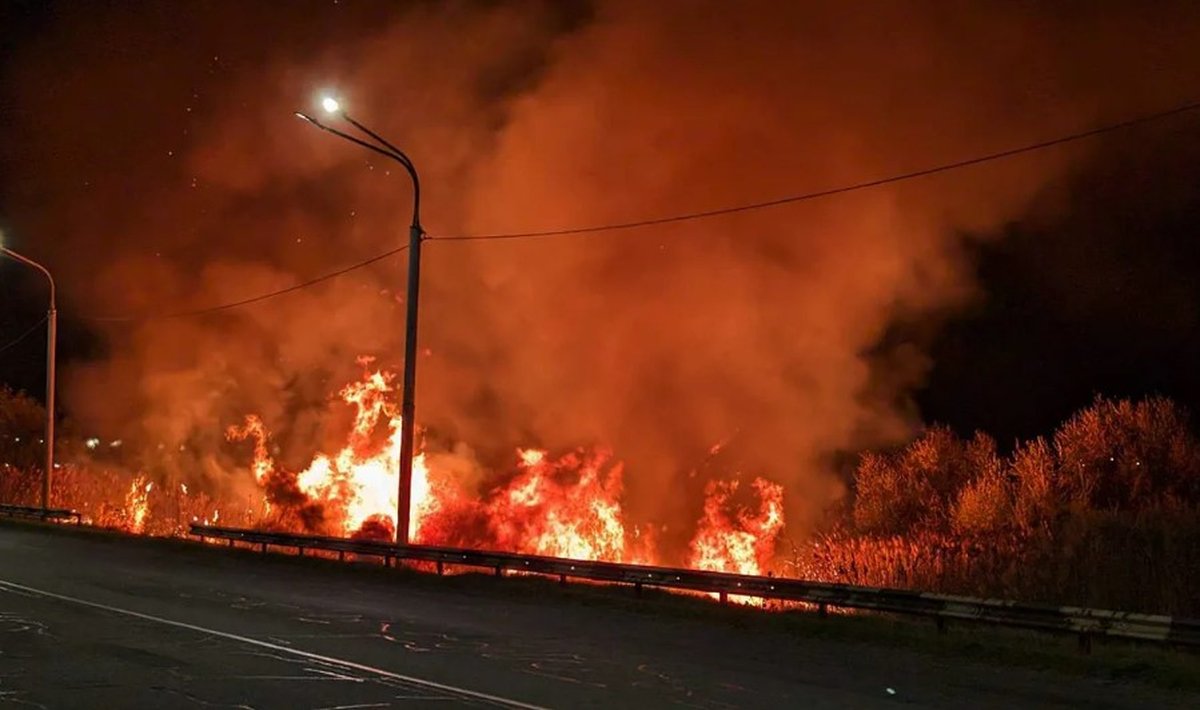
(1105, 512)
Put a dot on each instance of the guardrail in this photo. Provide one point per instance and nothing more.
(27, 511)
(1085, 623)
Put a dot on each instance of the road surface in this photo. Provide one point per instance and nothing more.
(97, 621)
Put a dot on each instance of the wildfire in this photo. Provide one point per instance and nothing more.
(557, 504)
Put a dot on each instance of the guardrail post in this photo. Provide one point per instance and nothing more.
(499, 570)
(231, 542)
(1085, 643)
(440, 568)
(823, 609)
(562, 580)
(637, 588)
(724, 598)
(300, 550)
(264, 548)
(341, 555)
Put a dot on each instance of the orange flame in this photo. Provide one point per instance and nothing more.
(741, 540)
(738, 539)
(563, 506)
(137, 503)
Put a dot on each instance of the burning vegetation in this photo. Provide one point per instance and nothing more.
(1106, 512)
(570, 504)
(588, 376)
(565, 505)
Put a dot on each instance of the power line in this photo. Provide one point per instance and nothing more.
(17, 341)
(685, 217)
(247, 301)
(803, 197)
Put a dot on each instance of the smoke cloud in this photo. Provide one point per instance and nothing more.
(762, 332)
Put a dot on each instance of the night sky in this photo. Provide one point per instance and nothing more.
(1091, 288)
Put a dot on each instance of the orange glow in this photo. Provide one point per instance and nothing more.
(738, 539)
(254, 429)
(137, 503)
(567, 505)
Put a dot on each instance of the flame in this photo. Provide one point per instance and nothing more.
(567, 505)
(738, 538)
(253, 428)
(137, 503)
(561, 504)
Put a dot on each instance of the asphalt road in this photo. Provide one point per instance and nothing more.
(90, 621)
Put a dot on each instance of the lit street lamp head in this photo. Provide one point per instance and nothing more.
(331, 105)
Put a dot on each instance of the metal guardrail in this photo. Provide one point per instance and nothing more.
(27, 511)
(1085, 623)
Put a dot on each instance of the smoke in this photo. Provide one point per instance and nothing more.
(759, 331)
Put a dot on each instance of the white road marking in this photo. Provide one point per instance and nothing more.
(495, 699)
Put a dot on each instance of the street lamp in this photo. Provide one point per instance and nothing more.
(51, 343)
(415, 235)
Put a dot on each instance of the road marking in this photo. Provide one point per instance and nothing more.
(495, 699)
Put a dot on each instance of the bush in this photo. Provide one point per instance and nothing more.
(1117, 455)
(919, 487)
(1106, 513)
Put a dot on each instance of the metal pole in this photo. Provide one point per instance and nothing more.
(51, 348)
(408, 397)
(415, 235)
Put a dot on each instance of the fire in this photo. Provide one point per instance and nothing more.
(137, 503)
(738, 538)
(357, 486)
(254, 429)
(566, 508)
(563, 505)
(742, 539)
(531, 457)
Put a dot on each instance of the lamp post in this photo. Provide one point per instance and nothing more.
(51, 346)
(415, 235)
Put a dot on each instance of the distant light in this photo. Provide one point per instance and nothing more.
(330, 104)
(92, 443)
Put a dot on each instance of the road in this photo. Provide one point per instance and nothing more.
(99, 621)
